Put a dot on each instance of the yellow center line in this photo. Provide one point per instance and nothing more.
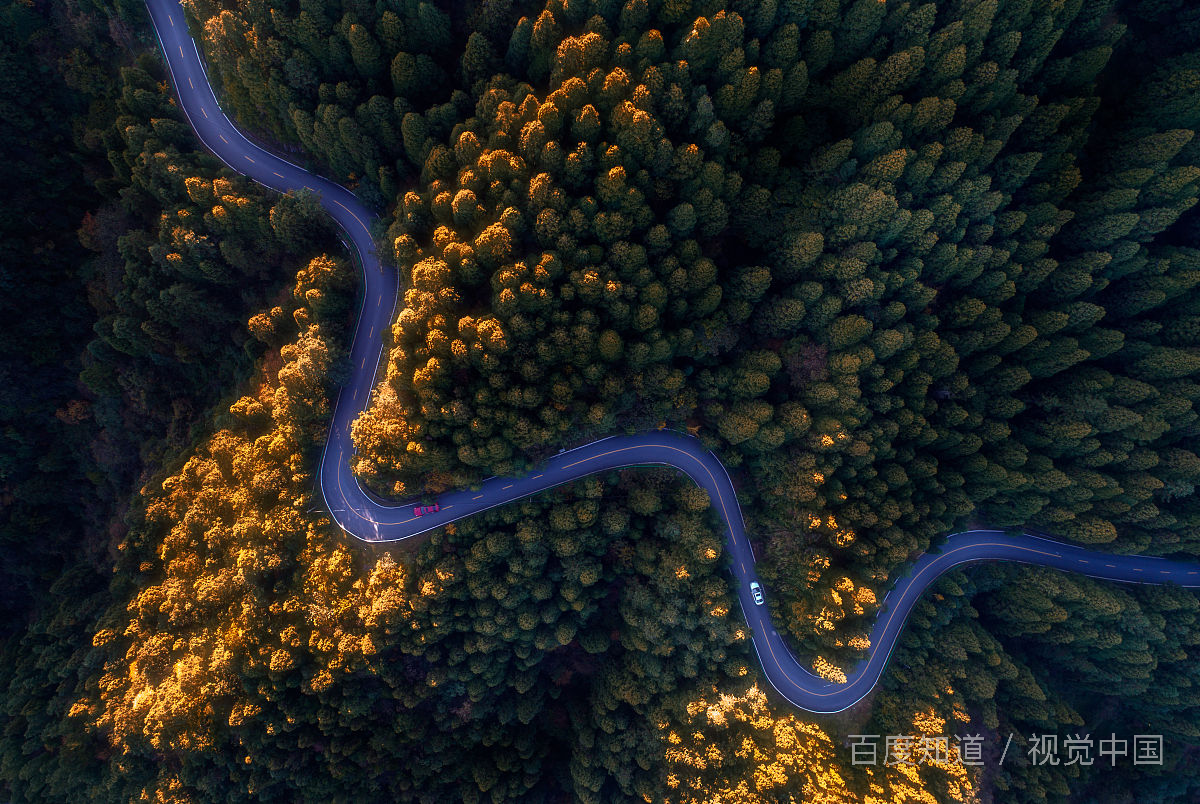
(205, 112)
(248, 157)
(476, 497)
(190, 84)
(1137, 569)
(506, 488)
(354, 215)
(280, 175)
(535, 477)
(181, 51)
(172, 21)
(222, 136)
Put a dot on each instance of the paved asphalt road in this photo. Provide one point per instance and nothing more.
(367, 519)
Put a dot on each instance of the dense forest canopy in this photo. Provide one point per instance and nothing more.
(906, 266)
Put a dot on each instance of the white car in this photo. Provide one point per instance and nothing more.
(756, 592)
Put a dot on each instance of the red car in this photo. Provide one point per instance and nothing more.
(426, 509)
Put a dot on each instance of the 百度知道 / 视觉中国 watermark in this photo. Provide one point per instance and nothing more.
(970, 749)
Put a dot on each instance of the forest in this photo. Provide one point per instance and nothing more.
(906, 267)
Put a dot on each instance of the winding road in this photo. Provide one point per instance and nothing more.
(367, 519)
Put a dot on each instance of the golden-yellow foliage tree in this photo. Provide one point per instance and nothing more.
(737, 749)
(242, 596)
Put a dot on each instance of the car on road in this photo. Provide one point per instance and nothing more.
(756, 593)
(421, 510)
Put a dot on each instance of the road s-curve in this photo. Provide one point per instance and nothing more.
(367, 519)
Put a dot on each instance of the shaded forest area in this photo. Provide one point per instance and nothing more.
(907, 267)
(132, 260)
(40, 259)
